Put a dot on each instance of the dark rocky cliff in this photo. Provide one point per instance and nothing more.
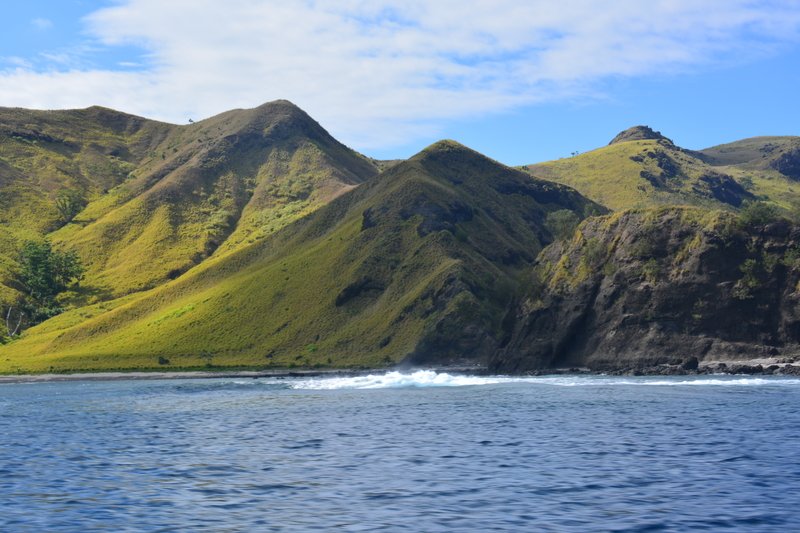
(643, 288)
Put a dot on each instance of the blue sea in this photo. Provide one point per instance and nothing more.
(414, 452)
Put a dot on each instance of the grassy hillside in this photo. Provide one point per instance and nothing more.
(211, 187)
(161, 198)
(420, 264)
(755, 153)
(44, 154)
(255, 239)
(641, 168)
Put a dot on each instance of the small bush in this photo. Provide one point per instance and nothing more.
(770, 261)
(69, 203)
(747, 183)
(651, 270)
(609, 269)
(749, 280)
(594, 251)
(791, 259)
(562, 223)
(645, 247)
(758, 214)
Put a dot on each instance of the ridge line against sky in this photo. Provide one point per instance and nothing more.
(521, 81)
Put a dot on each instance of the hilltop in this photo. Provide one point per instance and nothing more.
(642, 168)
(158, 199)
(639, 133)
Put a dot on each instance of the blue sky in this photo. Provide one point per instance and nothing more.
(522, 81)
(49, 34)
(698, 109)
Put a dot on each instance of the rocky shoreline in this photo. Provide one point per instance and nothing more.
(692, 366)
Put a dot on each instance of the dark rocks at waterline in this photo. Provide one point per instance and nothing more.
(678, 370)
(789, 370)
(691, 364)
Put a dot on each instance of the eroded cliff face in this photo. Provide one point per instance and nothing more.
(641, 288)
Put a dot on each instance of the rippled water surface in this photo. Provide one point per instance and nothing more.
(421, 452)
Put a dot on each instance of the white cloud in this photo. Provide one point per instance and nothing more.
(384, 71)
(42, 24)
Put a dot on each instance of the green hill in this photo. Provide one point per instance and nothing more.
(44, 154)
(780, 154)
(419, 264)
(255, 239)
(211, 187)
(159, 198)
(642, 168)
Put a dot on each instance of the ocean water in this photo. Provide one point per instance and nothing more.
(402, 452)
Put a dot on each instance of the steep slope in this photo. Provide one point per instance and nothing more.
(211, 187)
(642, 288)
(44, 154)
(418, 264)
(642, 168)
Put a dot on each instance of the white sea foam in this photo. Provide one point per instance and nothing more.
(394, 380)
(429, 378)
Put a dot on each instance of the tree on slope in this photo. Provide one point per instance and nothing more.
(44, 273)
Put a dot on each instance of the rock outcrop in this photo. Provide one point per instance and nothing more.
(657, 287)
(788, 164)
(639, 133)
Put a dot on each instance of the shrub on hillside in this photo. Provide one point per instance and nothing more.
(758, 214)
(44, 273)
(562, 223)
(69, 203)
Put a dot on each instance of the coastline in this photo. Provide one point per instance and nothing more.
(765, 366)
(175, 374)
(761, 366)
(222, 374)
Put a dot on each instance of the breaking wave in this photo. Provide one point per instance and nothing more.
(396, 380)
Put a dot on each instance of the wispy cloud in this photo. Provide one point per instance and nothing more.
(16, 62)
(42, 24)
(384, 71)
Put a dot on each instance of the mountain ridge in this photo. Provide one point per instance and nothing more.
(255, 239)
(425, 260)
(196, 188)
